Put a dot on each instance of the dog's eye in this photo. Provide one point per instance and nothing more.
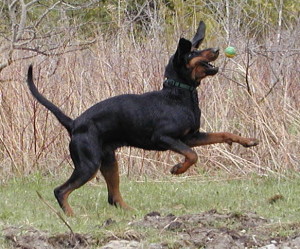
(191, 54)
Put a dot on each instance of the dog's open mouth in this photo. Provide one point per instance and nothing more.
(210, 68)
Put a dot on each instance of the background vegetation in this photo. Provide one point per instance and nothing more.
(88, 51)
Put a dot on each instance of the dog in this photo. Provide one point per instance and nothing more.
(168, 119)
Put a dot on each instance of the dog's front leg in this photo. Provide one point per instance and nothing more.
(201, 138)
(178, 146)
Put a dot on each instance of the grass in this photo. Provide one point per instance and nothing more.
(21, 206)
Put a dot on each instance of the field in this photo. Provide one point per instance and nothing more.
(186, 212)
(234, 197)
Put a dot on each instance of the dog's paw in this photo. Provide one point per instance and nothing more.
(176, 170)
(251, 142)
(68, 211)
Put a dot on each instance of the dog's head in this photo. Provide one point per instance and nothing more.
(190, 65)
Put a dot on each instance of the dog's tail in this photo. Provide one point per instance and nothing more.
(62, 118)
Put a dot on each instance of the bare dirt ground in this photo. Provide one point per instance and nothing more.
(205, 230)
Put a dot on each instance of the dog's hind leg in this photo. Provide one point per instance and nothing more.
(85, 153)
(110, 171)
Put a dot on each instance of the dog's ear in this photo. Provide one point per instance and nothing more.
(184, 47)
(199, 36)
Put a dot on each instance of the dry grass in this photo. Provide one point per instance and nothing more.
(255, 94)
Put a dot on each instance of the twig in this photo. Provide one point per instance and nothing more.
(10, 156)
(56, 212)
(270, 90)
(247, 68)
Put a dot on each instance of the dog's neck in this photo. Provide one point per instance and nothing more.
(188, 93)
(174, 83)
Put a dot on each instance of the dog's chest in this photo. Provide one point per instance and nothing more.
(195, 111)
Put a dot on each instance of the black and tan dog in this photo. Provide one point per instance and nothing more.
(168, 119)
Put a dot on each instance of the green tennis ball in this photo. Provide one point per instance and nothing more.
(230, 52)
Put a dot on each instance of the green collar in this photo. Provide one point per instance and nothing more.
(170, 82)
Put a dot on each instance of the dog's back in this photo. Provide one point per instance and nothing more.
(134, 119)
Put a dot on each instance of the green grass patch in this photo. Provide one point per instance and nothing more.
(272, 198)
